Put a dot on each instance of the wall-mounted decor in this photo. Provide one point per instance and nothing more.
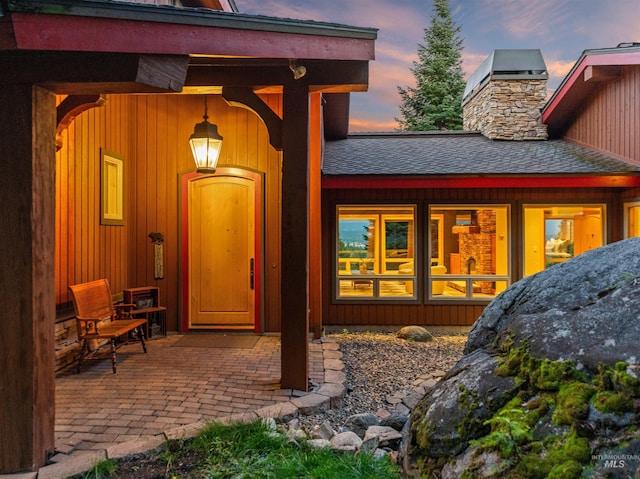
(158, 255)
(112, 189)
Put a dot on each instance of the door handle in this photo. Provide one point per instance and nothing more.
(251, 273)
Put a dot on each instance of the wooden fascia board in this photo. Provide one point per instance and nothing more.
(555, 181)
(98, 34)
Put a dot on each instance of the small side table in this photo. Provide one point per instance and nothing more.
(156, 317)
(147, 305)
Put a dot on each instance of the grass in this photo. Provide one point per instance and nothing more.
(255, 451)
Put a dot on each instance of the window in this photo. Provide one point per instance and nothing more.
(469, 251)
(376, 252)
(631, 220)
(554, 234)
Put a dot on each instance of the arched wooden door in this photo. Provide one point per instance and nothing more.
(221, 251)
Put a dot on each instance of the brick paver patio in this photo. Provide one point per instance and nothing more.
(167, 387)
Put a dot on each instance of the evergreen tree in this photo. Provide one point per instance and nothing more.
(436, 101)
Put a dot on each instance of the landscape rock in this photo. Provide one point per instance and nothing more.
(414, 333)
(323, 431)
(319, 443)
(553, 357)
(395, 420)
(347, 441)
(359, 423)
(386, 436)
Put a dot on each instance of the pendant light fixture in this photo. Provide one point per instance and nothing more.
(206, 144)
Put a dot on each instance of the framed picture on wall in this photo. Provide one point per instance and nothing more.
(112, 189)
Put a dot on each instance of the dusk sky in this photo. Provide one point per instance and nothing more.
(561, 29)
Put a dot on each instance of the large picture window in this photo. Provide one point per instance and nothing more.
(375, 252)
(556, 233)
(469, 251)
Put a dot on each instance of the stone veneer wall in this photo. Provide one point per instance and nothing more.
(67, 345)
(508, 110)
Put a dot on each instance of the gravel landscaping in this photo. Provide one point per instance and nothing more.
(379, 365)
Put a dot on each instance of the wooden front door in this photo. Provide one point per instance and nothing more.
(223, 254)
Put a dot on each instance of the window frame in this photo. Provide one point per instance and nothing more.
(584, 205)
(627, 206)
(375, 297)
(469, 279)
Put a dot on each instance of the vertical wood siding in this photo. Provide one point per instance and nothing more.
(450, 314)
(85, 250)
(151, 133)
(610, 119)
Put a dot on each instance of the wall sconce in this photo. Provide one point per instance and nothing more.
(298, 70)
(206, 144)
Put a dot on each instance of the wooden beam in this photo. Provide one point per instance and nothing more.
(336, 116)
(166, 72)
(71, 107)
(327, 75)
(246, 98)
(294, 320)
(598, 73)
(27, 278)
(85, 73)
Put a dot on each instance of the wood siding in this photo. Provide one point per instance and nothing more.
(610, 119)
(151, 133)
(452, 313)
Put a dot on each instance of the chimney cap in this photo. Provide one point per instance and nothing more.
(507, 65)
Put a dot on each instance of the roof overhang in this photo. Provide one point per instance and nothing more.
(99, 46)
(470, 181)
(118, 27)
(591, 69)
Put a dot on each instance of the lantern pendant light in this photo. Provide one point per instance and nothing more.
(206, 144)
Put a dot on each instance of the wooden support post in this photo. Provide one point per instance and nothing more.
(294, 321)
(27, 277)
(315, 215)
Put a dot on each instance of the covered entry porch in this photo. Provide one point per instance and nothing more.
(57, 64)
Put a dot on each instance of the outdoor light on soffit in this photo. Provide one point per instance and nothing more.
(206, 144)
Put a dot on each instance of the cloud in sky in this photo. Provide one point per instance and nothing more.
(561, 29)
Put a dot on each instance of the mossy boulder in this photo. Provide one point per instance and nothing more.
(550, 382)
(448, 417)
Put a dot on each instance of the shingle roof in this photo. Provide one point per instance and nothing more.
(456, 153)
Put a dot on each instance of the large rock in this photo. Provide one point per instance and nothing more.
(554, 356)
(414, 333)
(566, 287)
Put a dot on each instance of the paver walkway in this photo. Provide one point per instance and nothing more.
(169, 387)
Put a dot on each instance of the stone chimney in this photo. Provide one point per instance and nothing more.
(504, 97)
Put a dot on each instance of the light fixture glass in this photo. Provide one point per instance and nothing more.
(206, 144)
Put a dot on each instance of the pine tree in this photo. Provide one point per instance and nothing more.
(436, 101)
